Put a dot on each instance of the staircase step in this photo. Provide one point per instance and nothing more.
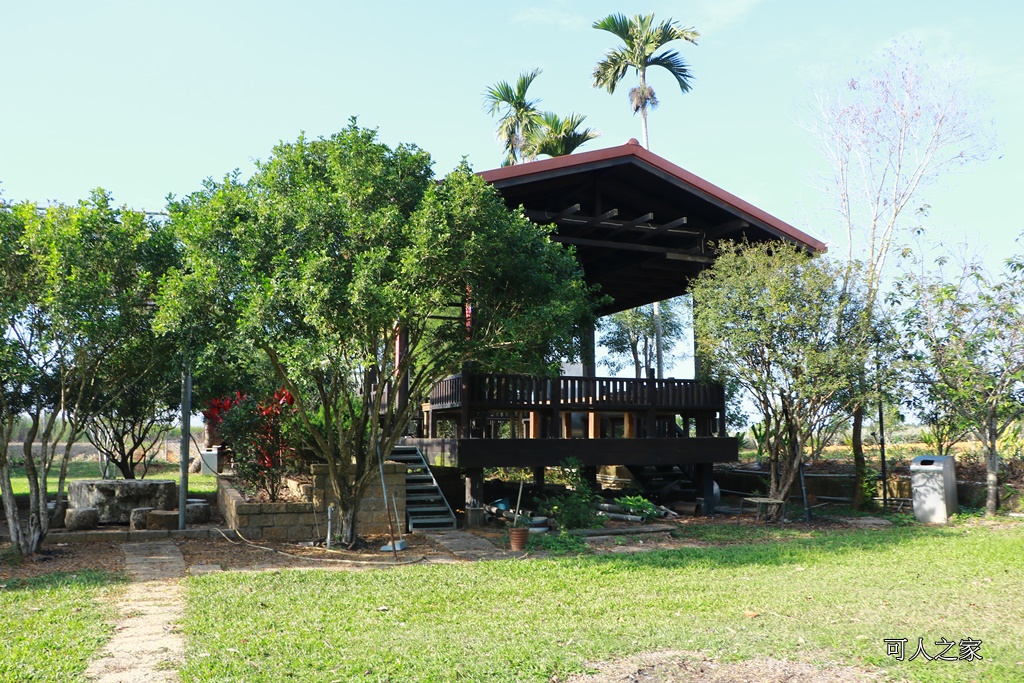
(426, 507)
(421, 522)
(419, 509)
(424, 496)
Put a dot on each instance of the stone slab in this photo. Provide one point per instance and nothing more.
(82, 519)
(116, 498)
(162, 520)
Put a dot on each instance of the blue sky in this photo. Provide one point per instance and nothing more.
(147, 99)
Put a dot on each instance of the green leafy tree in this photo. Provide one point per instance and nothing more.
(556, 137)
(77, 288)
(338, 248)
(519, 116)
(781, 326)
(642, 39)
(629, 336)
(128, 421)
(969, 330)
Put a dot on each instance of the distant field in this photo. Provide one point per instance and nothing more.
(84, 465)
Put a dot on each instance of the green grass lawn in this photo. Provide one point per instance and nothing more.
(197, 483)
(829, 596)
(50, 627)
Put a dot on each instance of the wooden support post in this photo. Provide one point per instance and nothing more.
(534, 432)
(629, 426)
(474, 487)
(588, 350)
(555, 418)
(593, 425)
(706, 486)
(428, 421)
(464, 414)
(566, 425)
(686, 426)
(590, 477)
(538, 479)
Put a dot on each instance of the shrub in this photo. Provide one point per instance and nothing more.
(260, 447)
(639, 506)
(574, 509)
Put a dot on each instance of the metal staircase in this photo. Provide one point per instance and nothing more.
(425, 505)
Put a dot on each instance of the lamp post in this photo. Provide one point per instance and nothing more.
(186, 435)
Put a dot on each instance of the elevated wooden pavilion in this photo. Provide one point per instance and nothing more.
(642, 228)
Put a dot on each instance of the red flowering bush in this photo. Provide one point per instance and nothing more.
(258, 439)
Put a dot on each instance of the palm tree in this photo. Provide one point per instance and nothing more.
(641, 40)
(519, 115)
(555, 136)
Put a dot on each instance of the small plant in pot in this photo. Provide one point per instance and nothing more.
(519, 532)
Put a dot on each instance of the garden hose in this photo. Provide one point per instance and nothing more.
(388, 563)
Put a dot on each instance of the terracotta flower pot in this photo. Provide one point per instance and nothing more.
(517, 537)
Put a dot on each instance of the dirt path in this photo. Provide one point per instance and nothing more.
(146, 648)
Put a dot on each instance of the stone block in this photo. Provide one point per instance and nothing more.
(309, 519)
(162, 520)
(286, 519)
(197, 513)
(300, 533)
(247, 508)
(275, 533)
(262, 520)
(148, 535)
(272, 508)
(252, 533)
(81, 519)
(199, 534)
(139, 519)
(116, 498)
(298, 507)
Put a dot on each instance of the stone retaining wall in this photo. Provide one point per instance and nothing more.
(306, 521)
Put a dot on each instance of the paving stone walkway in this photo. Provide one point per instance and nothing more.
(146, 647)
(466, 546)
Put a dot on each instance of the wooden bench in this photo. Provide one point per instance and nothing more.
(759, 502)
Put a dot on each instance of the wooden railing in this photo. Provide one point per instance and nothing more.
(522, 392)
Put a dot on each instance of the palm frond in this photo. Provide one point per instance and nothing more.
(641, 40)
(610, 70)
(557, 137)
(519, 114)
(617, 24)
(672, 62)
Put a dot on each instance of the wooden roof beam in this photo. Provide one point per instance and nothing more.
(629, 246)
(548, 217)
(665, 227)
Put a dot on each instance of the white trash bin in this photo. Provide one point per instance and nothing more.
(933, 481)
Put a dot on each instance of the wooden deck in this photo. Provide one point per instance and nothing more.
(521, 392)
(479, 404)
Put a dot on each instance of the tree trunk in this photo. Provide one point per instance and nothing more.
(125, 467)
(992, 469)
(10, 507)
(860, 465)
(347, 518)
